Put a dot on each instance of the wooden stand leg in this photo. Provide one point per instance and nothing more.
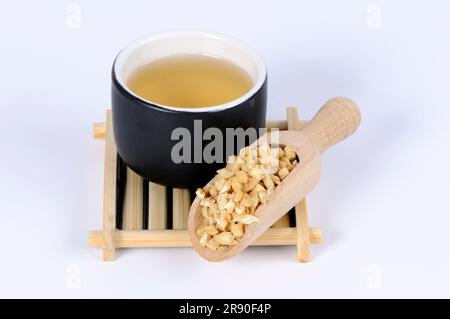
(109, 197)
(303, 237)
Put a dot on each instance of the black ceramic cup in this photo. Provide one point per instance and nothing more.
(144, 130)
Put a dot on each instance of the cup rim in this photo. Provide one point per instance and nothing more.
(134, 45)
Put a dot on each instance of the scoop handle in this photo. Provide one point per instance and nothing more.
(337, 119)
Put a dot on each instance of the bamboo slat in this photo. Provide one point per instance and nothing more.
(284, 221)
(99, 131)
(301, 212)
(180, 238)
(109, 195)
(181, 202)
(133, 210)
(157, 207)
(303, 232)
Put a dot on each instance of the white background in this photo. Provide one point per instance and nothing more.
(383, 200)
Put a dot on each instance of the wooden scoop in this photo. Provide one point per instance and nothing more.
(337, 119)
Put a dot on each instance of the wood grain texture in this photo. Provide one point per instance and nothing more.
(181, 203)
(109, 193)
(337, 119)
(133, 210)
(309, 144)
(180, 238)
(157, 206)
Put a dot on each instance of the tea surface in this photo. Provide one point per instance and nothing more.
(190, 81)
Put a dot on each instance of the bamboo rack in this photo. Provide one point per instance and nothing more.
(146, 207)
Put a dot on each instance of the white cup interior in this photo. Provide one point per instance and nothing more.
(166, 44)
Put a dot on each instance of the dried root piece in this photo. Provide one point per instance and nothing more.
(232, 198)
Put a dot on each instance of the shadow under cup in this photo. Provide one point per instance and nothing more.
(146, 133)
